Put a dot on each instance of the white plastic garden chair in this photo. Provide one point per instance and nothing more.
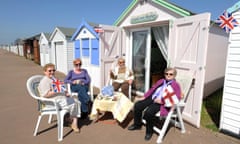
(120, 90)
(46, 106)
(75, 94)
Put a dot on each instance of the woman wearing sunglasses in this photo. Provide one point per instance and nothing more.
(80, 80)
(46, 89)
(154, 100)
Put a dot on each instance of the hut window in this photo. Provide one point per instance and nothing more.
(95, 52)
(85, 47)
(77, 49)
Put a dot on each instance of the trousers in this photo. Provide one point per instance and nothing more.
(124, 86)
(147, 109)
(83, 96)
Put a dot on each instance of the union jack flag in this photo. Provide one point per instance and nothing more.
(226, 21)
(58, 86)
(169, 97)
(98, 30)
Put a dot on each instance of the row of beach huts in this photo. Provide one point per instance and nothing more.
(151, 34)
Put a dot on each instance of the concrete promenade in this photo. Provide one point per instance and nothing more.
(19, 115)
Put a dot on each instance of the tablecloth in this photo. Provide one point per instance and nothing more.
(119, 105)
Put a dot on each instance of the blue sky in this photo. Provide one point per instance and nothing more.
(25, 18)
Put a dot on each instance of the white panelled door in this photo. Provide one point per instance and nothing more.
(188, 41)
(110, 47)
(59, 56)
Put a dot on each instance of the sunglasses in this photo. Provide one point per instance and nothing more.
(52, 70)
(169, 74)
(121, 62)
(77, 64)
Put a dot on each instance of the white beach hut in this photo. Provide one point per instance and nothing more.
(62, 48)
(16, 49)
(230, 113)
(155, 33)
(44, 45)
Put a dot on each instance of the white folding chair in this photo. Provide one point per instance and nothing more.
(46, 106)
(175, 114)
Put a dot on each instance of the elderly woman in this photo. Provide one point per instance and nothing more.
(65, 102)
(80, 80)
(153, 101)
(122, 77)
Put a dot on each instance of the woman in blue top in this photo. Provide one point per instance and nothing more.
(79, 80)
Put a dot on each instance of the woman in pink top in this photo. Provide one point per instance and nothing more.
(153, 101)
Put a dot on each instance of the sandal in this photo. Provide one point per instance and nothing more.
(75, 128)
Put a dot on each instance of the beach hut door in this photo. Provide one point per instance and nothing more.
(188, 39)
(111, 48)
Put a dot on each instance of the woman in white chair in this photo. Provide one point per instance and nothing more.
(153, 101)
(64, 100)
(122, 77)
(80, 80)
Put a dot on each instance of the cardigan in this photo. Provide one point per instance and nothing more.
(83, 76)
(176, 87)
(128, 75)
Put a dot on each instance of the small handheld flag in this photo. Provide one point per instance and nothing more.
(98, 30)
(169, 97)
(58, 86)
(226, 21)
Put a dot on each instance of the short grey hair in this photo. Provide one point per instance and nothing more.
(169, 69)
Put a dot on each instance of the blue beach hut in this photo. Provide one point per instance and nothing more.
(86, 47)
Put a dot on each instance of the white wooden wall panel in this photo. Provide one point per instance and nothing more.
(234, 83)
(232, 103)
(230, 89)
(230, 127)
(231, 109)
(236, 36)
(232, 116)
(233, 57)
(70, 55)
(232, 96)
(232, 70)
